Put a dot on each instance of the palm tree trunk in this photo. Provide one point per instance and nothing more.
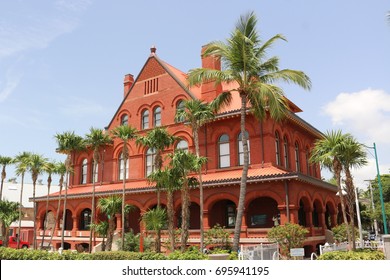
(46, 210)
(110, 235)
(351, 204)
(58, 212)
(185, 198)
(20, 212)
(35, 216)
(123, 202)
(196, 140)
(241, 200)
(65, 201)
(3, 175)
(91, 231)
(337, 171)
(171, 214)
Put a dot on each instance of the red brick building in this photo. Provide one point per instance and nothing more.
(281, 181)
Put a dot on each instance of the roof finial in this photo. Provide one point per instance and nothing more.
(153, 50)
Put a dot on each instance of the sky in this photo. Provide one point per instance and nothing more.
(62, 63)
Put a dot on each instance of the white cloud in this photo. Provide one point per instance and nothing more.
(365, 113)
(10, 84)
(77, 107)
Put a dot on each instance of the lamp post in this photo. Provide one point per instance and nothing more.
(359, 219)
(380, 189)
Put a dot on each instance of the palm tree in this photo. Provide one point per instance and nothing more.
(111, 206)
(4, 161)
(95, 140)
(60, 169)
(35, 165)
(125, 133)
(21, 162)
(196, 113)
(9, 213)
(101, 229)
(157, 139)
(246, 64)
(68, 143)
(169, 180)
(49, 168)
(184, 163)
(155, 219)
(328, 152)
(353, 156)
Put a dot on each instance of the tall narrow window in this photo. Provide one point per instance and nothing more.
(145, 119)
(224, 151)
(277, 148)
(285, 151)
(121, 167)
(125, 120)
(297, 161)
(157, 116)
(230, 215)
(180, 107)
(182, 145)
(150, 155)
(241, 149)
(84, 171)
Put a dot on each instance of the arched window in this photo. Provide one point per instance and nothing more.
(224, 151)
(121, 167)
(124, 119)
(145, 119)
(182, 145)
(157, 116)
(179, 107)
(241, 148)
(149, 163)
(277, 148)
(85, 219)
(84, 171)
(285, 151)
(297, 161)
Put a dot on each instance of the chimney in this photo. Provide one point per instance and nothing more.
(127, 83)
(208, 89)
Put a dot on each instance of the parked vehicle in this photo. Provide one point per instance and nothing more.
(13, 243)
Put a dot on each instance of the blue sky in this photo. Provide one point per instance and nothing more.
(62, 63)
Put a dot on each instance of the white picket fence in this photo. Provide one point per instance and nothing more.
(262, 251)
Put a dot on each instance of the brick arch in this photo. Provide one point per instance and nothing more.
(210, 201)
(319, 199)
(177, 99)
(155, 104)
(332, 204)
(307, 200)
(184, 135)
(83, 205)
(258, 194)
(121, 113)
(42, 212)
(118, 149)
(143, 108)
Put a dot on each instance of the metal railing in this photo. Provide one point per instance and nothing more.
(262, 251)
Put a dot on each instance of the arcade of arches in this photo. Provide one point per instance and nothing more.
(263, 210)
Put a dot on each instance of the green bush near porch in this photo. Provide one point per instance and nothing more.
(365, 254)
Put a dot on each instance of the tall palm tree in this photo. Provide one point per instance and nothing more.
(353, 156)
(4, 161)
(60, 169)
(50, 169)
(111, 206)
(246, 64)
(68, 143)
(101, 229)
(21, 162)
(169, 180)
(157, 139)
(328, 152)
(196, 113)
(35, 165)
(95, 140)
(184, 163)
(124, 133)
(9, 213)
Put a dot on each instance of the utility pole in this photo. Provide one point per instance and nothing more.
(359, 219)
(380, 192)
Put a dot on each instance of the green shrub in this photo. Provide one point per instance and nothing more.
(192, 253)
(365, 254)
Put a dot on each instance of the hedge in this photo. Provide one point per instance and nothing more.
(365, 254)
